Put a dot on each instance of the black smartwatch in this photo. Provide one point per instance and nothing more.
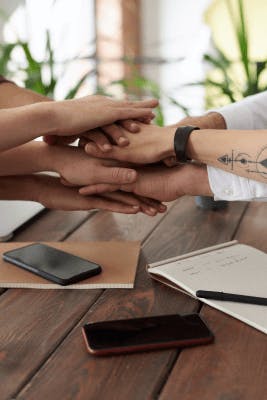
(180, 141)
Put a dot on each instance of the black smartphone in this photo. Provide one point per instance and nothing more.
(52, 264)
(142, 334)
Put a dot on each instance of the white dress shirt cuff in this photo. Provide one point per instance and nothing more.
(230, 187)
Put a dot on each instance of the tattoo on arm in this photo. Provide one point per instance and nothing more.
(244, 160)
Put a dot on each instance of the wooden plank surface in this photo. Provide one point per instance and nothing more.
(138, 375)
(50, 314)
(235, 367)
(51, 225)
(32, 322)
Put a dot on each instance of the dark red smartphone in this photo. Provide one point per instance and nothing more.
(144, 334)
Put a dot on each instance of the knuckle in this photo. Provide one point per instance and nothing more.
(118, 174)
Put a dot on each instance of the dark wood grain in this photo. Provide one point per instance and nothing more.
(32, 338)
(33, 322)
(109, 226)
(138, 376)
(235, 367)
(51, 225)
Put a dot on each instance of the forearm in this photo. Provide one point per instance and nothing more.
(12, 95)
(242, 153)
(212, 120)
(22, 124)
(33, 157)
(19, 188)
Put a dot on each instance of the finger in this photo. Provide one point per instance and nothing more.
(94, 151)
(171, 162)
(134, 113)
(148, 103)
(130, 126)
(112, 205)
(82, 142)
(59, 140)
(115, 175)
(49, 139)
(100, 140)
(124, 198)
(99, 188)
(153, 203)
(146, 121)
(116, 134)
(134, 200)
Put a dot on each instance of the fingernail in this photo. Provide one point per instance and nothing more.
(162, 207)
(106, 147)
(123, 140)
(153, 210)
(130, 176)
(134, 127)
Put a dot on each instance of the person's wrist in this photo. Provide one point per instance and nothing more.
(167, 142)
(213, 120)
(195, 180)
(43, 116)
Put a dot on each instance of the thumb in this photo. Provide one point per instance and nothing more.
(116, 175)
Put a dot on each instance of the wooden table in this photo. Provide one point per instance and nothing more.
(42, 354)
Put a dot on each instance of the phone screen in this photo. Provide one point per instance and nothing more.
(151, 332)
(53, 264)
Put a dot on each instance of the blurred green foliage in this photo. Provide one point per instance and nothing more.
(234, 79)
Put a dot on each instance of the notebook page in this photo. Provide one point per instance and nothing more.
(236, 269)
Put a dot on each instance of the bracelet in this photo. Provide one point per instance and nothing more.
(181, 137)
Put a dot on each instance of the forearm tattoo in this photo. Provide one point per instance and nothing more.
(247, 162)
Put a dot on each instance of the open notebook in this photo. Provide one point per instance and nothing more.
(118, 260)
(230, 267)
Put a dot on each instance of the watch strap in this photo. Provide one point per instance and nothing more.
(181, 137)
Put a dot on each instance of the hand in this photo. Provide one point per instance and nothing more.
(163, 184)
(74, 117)
(151, 144)
(76, 168)
(105, 137)
(49, 191)
(54, 195)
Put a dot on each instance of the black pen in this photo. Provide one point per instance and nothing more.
(238, 298)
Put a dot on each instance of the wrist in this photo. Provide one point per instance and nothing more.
(167, 141)
(213, 120)
(53, 158)
(196, 181)
(44, 118)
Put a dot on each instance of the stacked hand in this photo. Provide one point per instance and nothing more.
(117, 143)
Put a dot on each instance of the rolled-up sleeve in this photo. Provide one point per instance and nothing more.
(249, 113)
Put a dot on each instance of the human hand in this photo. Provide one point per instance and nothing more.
(150, 145)
(77, 169)
(161, 183)
(76, 117)
(105, 137)
(50, 192)
(54, 195)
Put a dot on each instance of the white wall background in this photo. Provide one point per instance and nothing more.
(174, 29)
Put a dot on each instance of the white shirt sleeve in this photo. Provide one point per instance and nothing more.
(249, 113)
